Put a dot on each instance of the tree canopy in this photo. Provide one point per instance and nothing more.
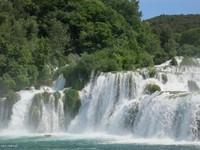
(38, 38)
(178, 34)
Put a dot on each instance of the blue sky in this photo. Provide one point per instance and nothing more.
(151, 8)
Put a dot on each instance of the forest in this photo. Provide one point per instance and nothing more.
(41, 39)
(179, 34)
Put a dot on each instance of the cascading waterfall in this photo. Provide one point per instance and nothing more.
(119, 103)
(36, 110)
(168, 115)
(103, 101)
(46, 113)
(163, 104)
(20, 111)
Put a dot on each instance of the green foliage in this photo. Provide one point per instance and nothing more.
(6, 83)
(189, 50)
(128, 9)
(116, 59)
(178, 34)
(191, 37)
(177, 23)
(12, 97)
(46, 75)
(38, 37)
(72, 102)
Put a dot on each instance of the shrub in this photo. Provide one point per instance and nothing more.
(12, 97)
(6, 84)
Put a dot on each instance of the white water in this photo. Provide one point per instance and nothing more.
(115, 103)
(20, 111)
(52, 119)
(52, 114)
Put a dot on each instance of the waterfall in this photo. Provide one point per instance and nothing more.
(168, 115)
(20, 110)
(118, 103)
(164, 103)
(104, 99)
(3, 112)
(46, 113)
(39, 111)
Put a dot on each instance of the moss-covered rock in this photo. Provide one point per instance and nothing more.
(35, 112)
(71, 102)
(152, 72)
(6, 106)
(151, 88)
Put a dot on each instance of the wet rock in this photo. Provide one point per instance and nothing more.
(192, 85)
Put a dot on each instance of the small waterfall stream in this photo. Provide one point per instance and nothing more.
(20, 111)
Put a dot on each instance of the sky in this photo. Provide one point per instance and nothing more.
(152, 8)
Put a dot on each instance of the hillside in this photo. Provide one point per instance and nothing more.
(41, 39)
(37, 38)
(178, 34)
(178, 23)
